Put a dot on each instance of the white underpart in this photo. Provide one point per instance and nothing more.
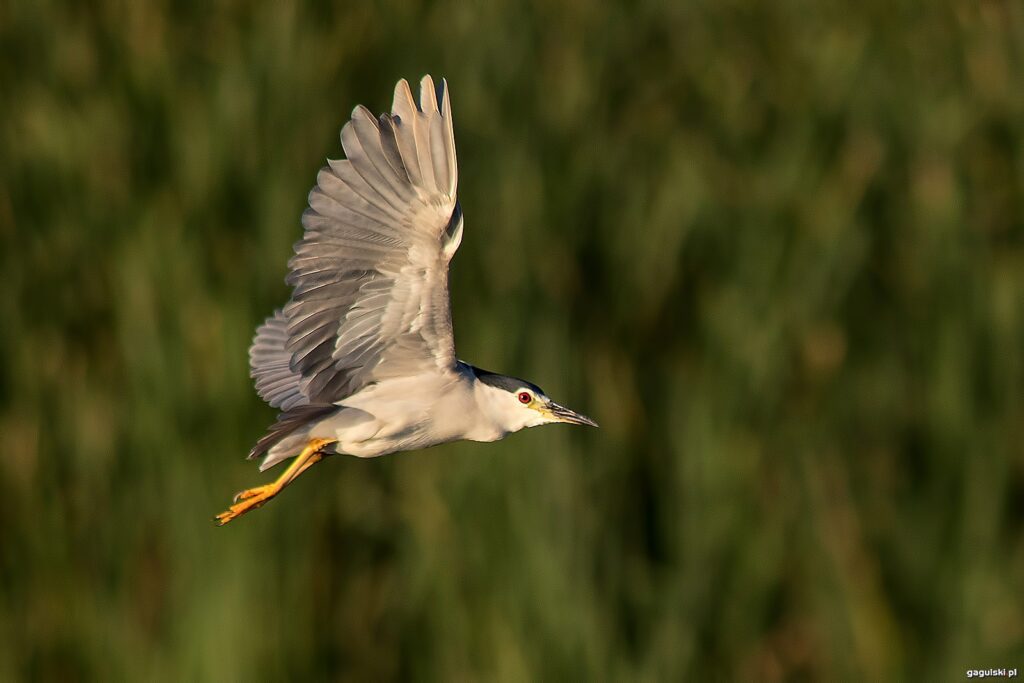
(418, 412)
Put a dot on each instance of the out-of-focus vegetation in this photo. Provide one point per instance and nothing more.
(776, 249)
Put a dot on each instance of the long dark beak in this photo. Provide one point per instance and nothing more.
(563, 414)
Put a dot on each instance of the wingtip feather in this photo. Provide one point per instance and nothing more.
(403, 103)
(359, 112)
(446, 107)
(428, 95)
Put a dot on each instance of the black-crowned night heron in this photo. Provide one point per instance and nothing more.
(361, 360)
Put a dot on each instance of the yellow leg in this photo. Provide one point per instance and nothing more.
(250, 499)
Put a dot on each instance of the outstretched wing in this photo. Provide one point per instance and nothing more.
(370, 276)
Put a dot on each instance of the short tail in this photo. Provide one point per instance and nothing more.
(286, 437)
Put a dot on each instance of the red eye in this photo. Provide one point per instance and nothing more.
(524, 397)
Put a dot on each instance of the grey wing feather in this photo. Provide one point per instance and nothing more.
(370, 276)
(269, 364)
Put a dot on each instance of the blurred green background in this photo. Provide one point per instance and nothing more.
(776, 249)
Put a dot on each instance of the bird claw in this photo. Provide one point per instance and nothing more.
(248, 493)
(246, 501)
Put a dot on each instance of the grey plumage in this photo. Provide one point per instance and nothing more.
(288, 422)
(370, 276)
(276, 382)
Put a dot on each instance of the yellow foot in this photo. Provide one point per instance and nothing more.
(250, 499)
(247, 500)
(249, 493)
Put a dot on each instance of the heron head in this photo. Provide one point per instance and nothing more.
(518, 404)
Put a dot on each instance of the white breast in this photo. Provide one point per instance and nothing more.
(411, 413)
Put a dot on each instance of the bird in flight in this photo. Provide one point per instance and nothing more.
(361, 361)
